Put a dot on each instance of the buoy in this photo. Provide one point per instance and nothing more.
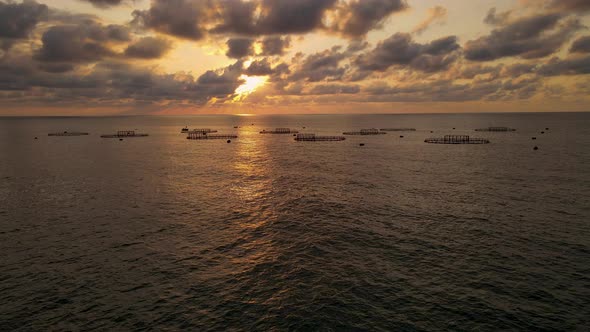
(120, 139)
(431, 131)
(362, 144)
(536, 148)
(36, 138)
(294, 135)
(542, 132)
(534, 138)
(546, 128)
(303, 127)
(454, 128)
(229, 141)
(401, 136)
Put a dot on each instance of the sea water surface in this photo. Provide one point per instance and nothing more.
(265, 233)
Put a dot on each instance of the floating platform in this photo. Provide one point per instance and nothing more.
(68, 133)
(202, 131)
(184, 130)
(280, 131)
(203, 136)
(496, 129)
(457, 139)
(363, 132)
(125, 134)
(398, 129)
(315, 138)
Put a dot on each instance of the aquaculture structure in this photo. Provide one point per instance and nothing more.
(364, 132)
(457, 139)
(125, 134)
(203, 136)
(68, 133)
(496, 129)
(315, 138)
(280, 131)
(202, 131)
(184, 130)
(398, 129)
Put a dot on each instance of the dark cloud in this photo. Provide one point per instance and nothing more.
(264, 67)
(17, 20)
(495, 18)
(220, 83)
(333, 89)
(439, 90)
(275, 45)
(357, 17)
(320, 66)
(292, 16)
(70, 43)
(569, 66)
(575, 6)
(148, 48)
(105, 3)
(581, 45)
(529, 38)
(401, 50)
(239, 48)
(180, 18)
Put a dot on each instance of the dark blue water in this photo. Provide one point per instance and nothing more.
(265, 233)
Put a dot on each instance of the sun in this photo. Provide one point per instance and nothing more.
(251, 84)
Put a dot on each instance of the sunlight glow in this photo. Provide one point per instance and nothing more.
(251, 84)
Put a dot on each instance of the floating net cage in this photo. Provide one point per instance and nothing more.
(457, 139)
(204, 136)
(398, 129)
(363, 132)
(280, 131)
(496, 129)
(68, 133)
(202, 131)
(125, 133)
(316, 138)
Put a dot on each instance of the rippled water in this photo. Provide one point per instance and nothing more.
(265, 233)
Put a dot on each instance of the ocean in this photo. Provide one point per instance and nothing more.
(265, 233)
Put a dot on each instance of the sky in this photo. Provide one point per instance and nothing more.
(125, 57)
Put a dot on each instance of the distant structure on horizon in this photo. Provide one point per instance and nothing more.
(280, 131)
(68, 133)
(456, 139)
(315, 138)
(195, 135)
(125, 134)
(496, 129)
(363, 132)
(398, 129)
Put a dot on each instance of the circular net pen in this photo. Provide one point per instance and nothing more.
(125, 134)
(315, 138)
(202, 131)
(280, 131)
(203, 136)
(456, 139)
(496, 129)
(365, 132)
(398, 129)
(68, 133)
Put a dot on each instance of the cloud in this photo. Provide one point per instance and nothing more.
(401, 50)
(17, 20)
(530, 37)
(334, 89)
(275, 45)
(239, 48)
(495, 18)
(435, 14)
(321, 66)
(581, 45)
(357, 17)
(263, 67)
(148, 48)
(179, 18)
(569, 66)
(575, 6)
(105, 3)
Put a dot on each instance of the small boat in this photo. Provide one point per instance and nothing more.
(124, 134)
(68, 133)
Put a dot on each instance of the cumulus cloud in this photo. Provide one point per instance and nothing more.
(569, 66)
(401, 50)
(357, 17)
(334, 89)
(17, 20)
(275, 45)
(239, 47)
(104, 3)
(581, 45)
(530, 37)
(148, 48)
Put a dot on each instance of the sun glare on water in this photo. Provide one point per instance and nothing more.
(251, 84)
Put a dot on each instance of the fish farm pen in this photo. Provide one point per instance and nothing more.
(457, 139)
(124, 134)
(280, 131)
(398, 129)
(68, 133)
(315, 138)
(496, 129)
(202, 131)
(365, 132)
(203, 136)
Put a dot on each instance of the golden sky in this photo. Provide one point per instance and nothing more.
(93, 57)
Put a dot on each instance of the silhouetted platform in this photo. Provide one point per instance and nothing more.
(125, 134)
(280, 131)
(68, 133)
(496, 129)
(204, 136)
(315, 138)
(457, 139)
(398, 129)
(202, 131)
(363, 132)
